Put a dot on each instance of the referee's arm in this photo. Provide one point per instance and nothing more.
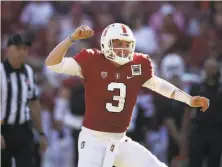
(35, 110)
(36, 114)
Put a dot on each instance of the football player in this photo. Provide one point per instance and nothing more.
(112, 77)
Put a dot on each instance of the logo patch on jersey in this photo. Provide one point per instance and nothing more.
(117, 75)
(104, 74)
(83, 144)
(136, 69)
(112, 148)
(130, 77)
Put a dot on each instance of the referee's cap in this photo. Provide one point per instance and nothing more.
(19, 39)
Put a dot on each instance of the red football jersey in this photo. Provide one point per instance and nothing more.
(111, 92)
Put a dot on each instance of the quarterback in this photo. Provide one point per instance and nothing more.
(112, 77)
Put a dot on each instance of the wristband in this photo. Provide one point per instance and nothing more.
(70, 39)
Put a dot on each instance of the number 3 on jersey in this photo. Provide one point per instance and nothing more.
(121, 98)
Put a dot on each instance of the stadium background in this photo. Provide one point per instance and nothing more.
(178, 36)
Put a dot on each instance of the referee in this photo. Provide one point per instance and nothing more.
(19, 105)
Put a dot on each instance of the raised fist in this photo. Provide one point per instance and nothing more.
(82, 32)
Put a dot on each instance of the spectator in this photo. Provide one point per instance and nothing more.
(205, 131)
(37, 14)
(172, 113)
(146, 40)
(156, 20)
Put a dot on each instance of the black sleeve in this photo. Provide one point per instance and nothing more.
(167, 109)
(164, 108)
(193, 90)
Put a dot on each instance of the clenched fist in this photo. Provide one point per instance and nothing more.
(198, 101)
(82, 32)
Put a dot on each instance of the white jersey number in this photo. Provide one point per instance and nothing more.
(121, 98)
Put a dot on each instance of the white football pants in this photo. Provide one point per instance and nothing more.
(100, 149)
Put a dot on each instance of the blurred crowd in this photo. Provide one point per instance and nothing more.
(178, 36)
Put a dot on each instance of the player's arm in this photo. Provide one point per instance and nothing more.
(56, 60)
(166, 89)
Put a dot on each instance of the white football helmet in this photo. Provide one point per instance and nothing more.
(121, 32)
(172, 64)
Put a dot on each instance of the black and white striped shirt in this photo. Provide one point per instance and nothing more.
(18, 87)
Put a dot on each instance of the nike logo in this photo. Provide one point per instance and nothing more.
(130, 77)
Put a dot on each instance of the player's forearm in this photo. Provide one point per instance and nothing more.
(167, 89)
(57, 54)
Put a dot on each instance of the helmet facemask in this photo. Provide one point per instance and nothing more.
(121, 58)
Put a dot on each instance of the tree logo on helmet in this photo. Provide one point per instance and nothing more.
(124, 30)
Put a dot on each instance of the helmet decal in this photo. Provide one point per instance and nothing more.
(124, 29)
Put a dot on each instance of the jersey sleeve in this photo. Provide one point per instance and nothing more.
(147, 68)
(67, 66)
(84, 59)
